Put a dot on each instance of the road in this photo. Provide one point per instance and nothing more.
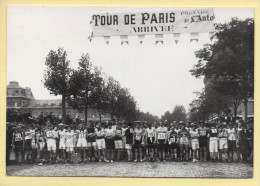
(144, 169)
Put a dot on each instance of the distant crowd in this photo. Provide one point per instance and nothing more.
(49, 142)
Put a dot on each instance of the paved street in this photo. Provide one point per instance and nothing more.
(145, 169)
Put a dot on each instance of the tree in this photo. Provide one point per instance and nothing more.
(229, 61)
(57, 75)
(82, 86)
(179, 113)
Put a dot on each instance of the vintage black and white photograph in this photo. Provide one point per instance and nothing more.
(130, 91)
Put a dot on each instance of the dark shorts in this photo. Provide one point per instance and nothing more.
(28, 144)
(150, 146)
(231, 145)
(173, 146)
(18, 146)
(137, 144)
(110, 144)
(161, 144)
(203, 143)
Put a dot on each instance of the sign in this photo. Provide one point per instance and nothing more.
(148, 23)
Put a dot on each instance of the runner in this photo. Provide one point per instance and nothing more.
(213, 142)
(101, 144)
(129, 134)
(232, 137)
(69, 142)
(184, 136)
(28, 144)
(173, 144)
(203, 141)
(51, 143)
(161, 139)
(118, 142)
(18, 143)
(150, 142)
(110, 143)
(223, 145)
(62, 143)
(138, 137)
(92, 145)
(194, 142)
(82, 143)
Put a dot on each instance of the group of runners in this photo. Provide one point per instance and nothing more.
(138, 142)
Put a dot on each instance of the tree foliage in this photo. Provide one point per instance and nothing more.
(57, 75)
(229, 61)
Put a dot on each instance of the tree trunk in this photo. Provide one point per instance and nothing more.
(63, 108)
(100, 117)
(245, 109)
(86, 115)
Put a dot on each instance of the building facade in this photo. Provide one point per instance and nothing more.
(23, 99)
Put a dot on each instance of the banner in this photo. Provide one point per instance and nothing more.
(149, 23)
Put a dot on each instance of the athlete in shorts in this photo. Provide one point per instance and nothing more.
(161, 140)
(173, 143)
(101, 144)
(118, 142)
(69, 142)
(194, 134)
(184, 141)
(40, 140)
(110, 142)
(51, 143)
(150, 142)
(232, 137)
(213, 142)
(82, 143)
(137, 145)
(129, 134)
(62, 143)
(18, 143)
(223, 145)
(124, 153)
(203, 141)
(91, 141)
(28, 144)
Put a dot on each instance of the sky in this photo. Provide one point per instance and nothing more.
(157, 75)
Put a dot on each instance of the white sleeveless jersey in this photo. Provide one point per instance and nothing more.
(69, 137)
(62, 135)
(82, 134)
(231, 134)
(18, 136)
(150, 132)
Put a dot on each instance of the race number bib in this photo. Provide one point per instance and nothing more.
(68, 137)
(203, 133)
(172, 140)
(82, 135)
(161, 135)
(150, 135)
(18, 137)
(184, 140)
(138, 138)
